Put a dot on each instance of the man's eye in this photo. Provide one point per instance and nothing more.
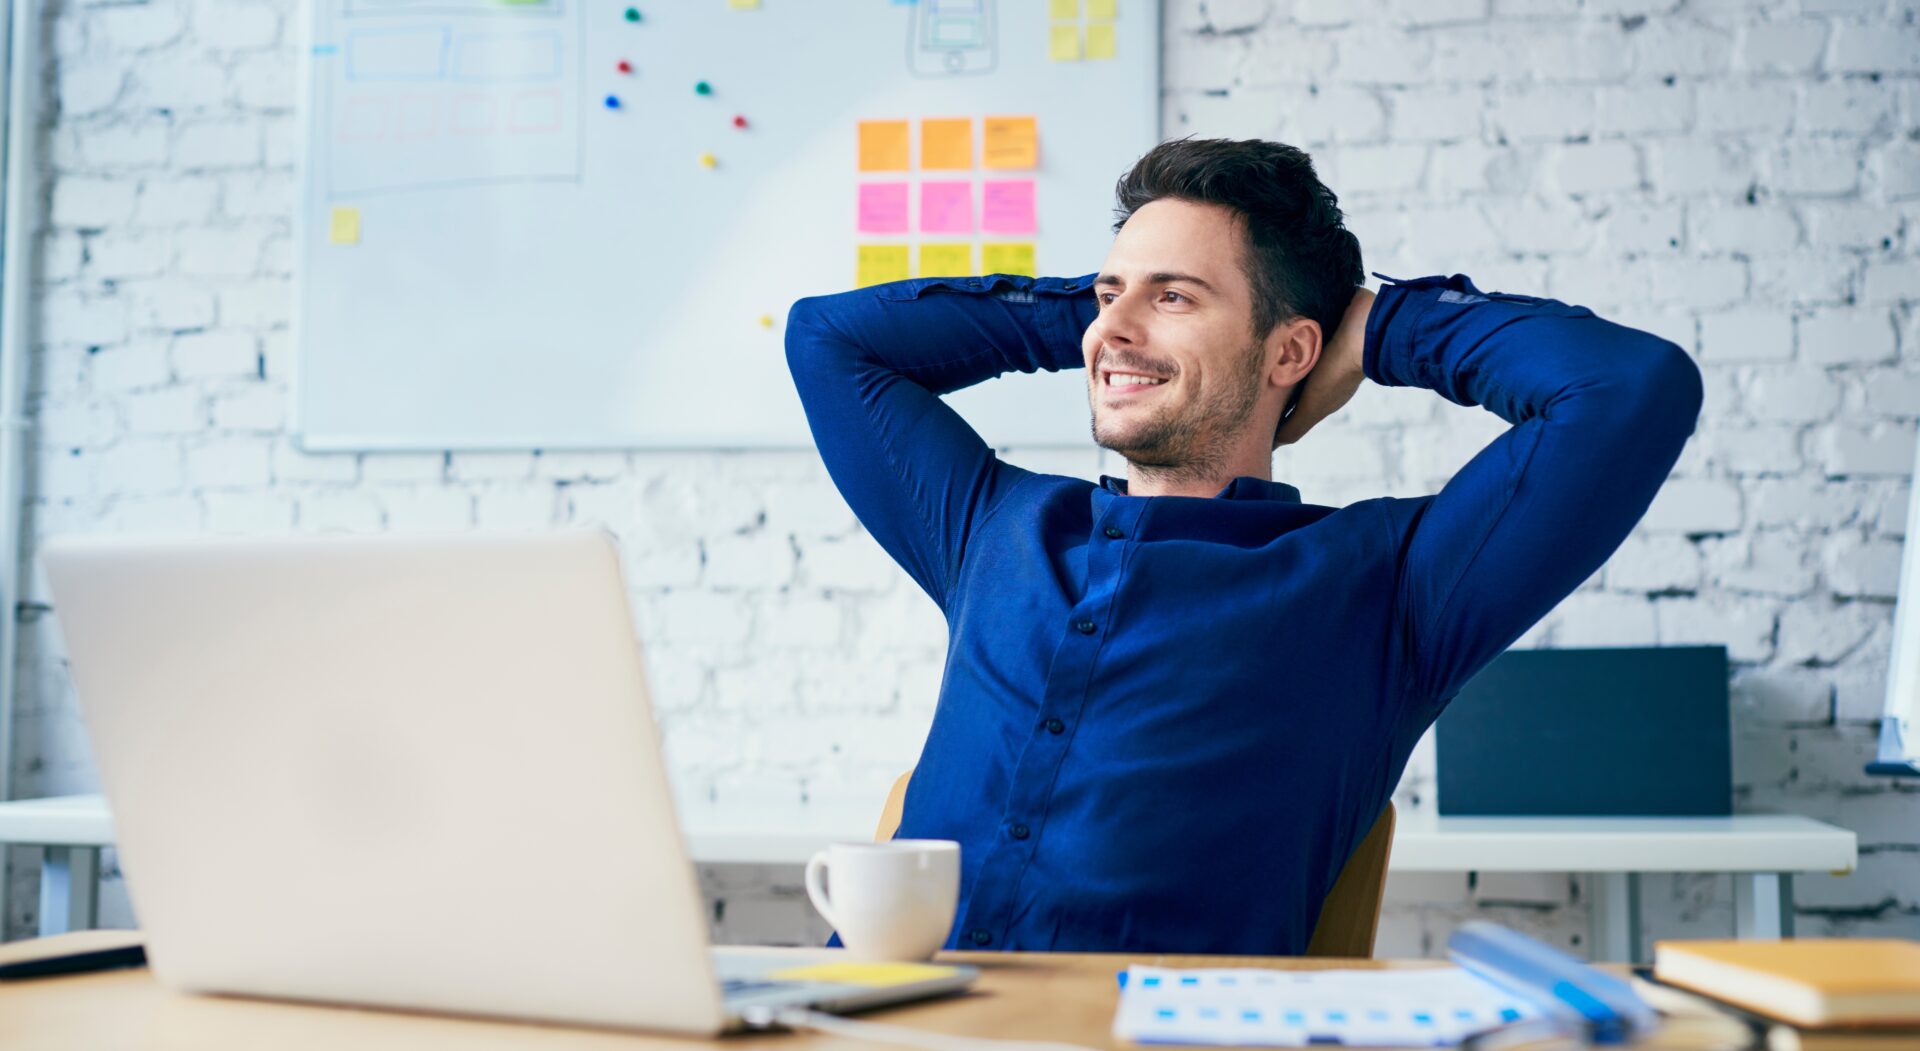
(1177, 295)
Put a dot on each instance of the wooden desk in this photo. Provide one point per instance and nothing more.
(1068, 997)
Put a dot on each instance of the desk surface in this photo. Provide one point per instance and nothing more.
(1422, 842)
(1068, 997)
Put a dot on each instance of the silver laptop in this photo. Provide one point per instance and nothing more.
(414, 772)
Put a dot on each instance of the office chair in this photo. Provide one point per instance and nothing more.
(1349, 918)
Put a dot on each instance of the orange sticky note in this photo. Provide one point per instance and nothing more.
(1012, 142)
(946, 260)
(880, 264)
(946, 143)
(1100, 42)
(883, 145)
(1007, 258)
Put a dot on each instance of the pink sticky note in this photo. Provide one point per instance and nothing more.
(883, 207)
(946, 207)
(1008, 206)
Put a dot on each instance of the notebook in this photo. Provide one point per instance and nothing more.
(1807, 981)
(1259, 1007)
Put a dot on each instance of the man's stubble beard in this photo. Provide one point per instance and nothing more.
(1192, 439)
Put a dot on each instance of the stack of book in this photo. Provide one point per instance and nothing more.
(1808, 994)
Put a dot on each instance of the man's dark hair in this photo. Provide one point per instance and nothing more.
(1301, 260)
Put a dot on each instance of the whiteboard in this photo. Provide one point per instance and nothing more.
(488, 256)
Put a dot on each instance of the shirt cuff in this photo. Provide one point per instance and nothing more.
(1386, 354)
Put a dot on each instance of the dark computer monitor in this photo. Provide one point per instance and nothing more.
(1622, 731)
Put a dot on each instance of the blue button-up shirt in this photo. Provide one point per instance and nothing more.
(1166, 721)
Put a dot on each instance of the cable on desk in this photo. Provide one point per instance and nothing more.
(897, 1035)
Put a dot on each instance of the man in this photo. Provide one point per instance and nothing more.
(1174, 704)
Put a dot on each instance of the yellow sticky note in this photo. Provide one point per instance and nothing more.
(946, 260)
(1007, 258)
(1100, 40)
(1106, 9)
(1064, 44)
(1067, 9)
(344, 228)
(883, 145)
(864, 973)
(880, 264)
(743, 5)
(946, 143)
(1011, 142)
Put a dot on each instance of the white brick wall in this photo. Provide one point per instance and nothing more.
(1739, 176)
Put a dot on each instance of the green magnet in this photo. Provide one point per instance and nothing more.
(633, 14)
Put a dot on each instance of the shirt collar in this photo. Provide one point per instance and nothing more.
(1245, 487)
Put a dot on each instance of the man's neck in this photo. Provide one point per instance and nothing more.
(1204, 481)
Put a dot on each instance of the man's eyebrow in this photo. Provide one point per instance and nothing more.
(1162, 278)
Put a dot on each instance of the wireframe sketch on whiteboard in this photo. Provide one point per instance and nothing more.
(427, 94)
(951, 38)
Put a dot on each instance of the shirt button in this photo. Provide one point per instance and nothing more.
(1114, 532)
(981, 936)
(1020, 831)
(1084, 627)
(1055, 726)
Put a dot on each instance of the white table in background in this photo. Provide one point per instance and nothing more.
(70, 830)
(1760, 851)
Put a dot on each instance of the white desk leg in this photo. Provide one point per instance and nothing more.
(1614, 934)
(1763, 904)
(69, 889)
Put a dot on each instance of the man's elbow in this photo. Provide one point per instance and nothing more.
(1663, 391)
(803, 333)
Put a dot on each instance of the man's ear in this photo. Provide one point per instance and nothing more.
(1293, 349)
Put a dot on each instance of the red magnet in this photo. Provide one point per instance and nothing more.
(739, 122)
(625, 66)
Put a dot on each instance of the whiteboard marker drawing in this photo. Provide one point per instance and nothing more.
(951, 38)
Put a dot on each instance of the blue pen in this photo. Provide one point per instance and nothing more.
(1555, 981)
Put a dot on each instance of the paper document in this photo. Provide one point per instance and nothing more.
(1268, 1008)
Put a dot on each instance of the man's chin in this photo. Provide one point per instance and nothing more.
(1129, 442)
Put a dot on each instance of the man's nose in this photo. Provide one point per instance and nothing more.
(1119, 321)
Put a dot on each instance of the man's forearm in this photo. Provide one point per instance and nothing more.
(943, 333)
(1521, 355)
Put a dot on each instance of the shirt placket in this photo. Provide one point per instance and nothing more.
(1069, 678)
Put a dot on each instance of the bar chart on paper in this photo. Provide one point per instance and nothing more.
(580, 223)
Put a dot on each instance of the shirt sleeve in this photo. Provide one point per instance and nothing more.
(1600, 412)
(870, 365)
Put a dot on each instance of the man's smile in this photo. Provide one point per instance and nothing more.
(1130, 383)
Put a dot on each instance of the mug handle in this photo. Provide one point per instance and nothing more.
(817, 887)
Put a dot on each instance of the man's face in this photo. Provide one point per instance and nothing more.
(1173, 370)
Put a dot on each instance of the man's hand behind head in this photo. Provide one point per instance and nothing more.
(1332, 381)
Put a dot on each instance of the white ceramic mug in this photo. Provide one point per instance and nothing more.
(889, 901)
